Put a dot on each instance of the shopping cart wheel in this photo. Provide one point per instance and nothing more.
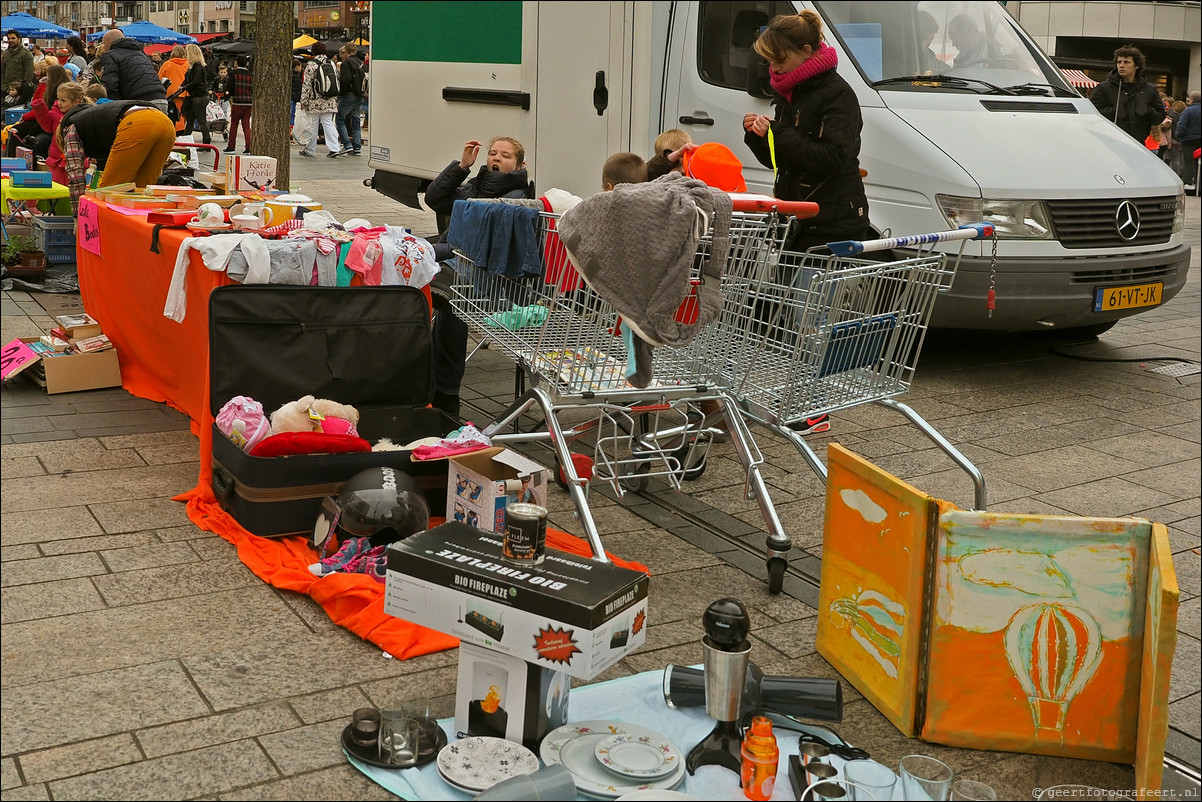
(634, 476)
(697, 467)
(776, 574)
(584, 469)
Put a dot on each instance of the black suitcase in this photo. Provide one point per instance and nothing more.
(365, 346)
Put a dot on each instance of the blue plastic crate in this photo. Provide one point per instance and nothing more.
(56, 237)
(12, 116)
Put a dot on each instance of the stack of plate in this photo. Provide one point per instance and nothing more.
(608, 759)
(478, 763)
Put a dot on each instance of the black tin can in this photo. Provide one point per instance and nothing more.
(525, 538)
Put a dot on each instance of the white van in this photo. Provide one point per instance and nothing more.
(1090, 222)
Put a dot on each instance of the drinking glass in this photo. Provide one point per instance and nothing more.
(365, 727)
(399, 735)
(836, 791)
(878, 779)
(972, 790)
(925, 776)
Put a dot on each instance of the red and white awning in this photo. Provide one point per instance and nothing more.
(1079, 79)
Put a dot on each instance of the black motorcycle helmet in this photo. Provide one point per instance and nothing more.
(382, 504)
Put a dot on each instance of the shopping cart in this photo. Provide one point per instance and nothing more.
(567, 341)
(806, 334)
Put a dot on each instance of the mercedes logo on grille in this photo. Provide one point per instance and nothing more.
(1126, 220)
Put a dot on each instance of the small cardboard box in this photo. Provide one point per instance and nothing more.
(506, 697)
(569, 614)
(68, 373)
(31, 179)
(250, 173)
(11, 163)
(481, 484)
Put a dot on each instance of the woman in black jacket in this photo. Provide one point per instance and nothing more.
(813, 144)
(196, 86)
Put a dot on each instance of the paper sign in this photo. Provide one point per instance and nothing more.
(15, 357)
(88, 226)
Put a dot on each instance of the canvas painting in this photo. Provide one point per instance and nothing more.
(1037, 634)
(870, 609)
(1160, 642)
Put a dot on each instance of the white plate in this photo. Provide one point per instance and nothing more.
(474, 764)
(199, 227)
(638, 757)
(652, 794)
(573, 746)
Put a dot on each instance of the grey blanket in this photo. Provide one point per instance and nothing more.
(635, 247)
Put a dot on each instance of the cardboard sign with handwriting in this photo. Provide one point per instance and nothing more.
(88, 226)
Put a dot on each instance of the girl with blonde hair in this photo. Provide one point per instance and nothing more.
(196, 88)
(70, 95)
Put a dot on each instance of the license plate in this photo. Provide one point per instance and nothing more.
(1110, 299)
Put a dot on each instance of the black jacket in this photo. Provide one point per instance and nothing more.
(445, 189)
(1135, 107)
(96, 126)
(298, 82)
(817, 138)
(196, 81)
(346, 76)
(128, 73)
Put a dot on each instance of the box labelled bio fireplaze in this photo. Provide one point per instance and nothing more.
(570, 613)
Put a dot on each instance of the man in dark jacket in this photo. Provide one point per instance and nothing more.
(18, 67)
(127, 73)
(1189, 134)
(1126, 98)
(350, 81)
(502, 176)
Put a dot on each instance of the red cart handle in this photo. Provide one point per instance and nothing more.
(751, 202)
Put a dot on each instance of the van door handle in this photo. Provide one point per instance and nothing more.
(687, 120)
(600, 94)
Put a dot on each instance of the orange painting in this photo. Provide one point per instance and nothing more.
(1049, 613)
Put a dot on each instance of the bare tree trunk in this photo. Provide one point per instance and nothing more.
(274, 27)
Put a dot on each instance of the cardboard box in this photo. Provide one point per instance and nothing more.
(79, 326)
(569, 614)
(481, 484)
(31, 179)
(250, 173)
(71, 372)
(506, 697)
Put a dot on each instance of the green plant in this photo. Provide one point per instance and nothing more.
(16, 245)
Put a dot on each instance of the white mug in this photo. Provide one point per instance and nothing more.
(209, 214)
(245, 221)
(260, 211)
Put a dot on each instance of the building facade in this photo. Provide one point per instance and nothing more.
(1084, 36)
(334, 19)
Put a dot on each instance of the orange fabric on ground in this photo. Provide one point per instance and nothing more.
(353, 601)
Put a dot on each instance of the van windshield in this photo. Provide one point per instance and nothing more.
(979, 43)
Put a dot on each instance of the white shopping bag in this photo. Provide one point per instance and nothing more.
(214, 112)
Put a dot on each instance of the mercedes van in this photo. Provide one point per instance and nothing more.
(957, 128)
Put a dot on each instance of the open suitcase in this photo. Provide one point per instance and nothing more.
(365, 346)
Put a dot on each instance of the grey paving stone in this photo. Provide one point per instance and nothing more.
(48, 600)
(795, 639)
(98, 544)
(1182, 479)
(89, 459)
(151, 693)
(98, 487)
(429, 677)
(235, 725)
(1189, 617)
(26, 551)
(48, 524)
(80, 758)
(187, 531)
(26, 572)
(9, 776)
(155, 556)
(1183, 714)
(337, 782)
(147, 512)
(315, 746)
(1185, 681)
(204, 772)
(1060, 467)
(1189, 574)
(194, 579)
(1105, 498)
(660, 551)
(13, 467)
(28, 792)
(326, 705)
(39, 651)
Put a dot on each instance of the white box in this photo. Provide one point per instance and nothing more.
(506, 697)
(480, 485)
(570, 614)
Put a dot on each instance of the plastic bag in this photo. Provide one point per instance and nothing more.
(214, 112)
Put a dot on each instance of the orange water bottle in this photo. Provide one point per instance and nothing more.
(760, 759)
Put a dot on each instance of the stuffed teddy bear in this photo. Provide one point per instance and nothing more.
(309, 414)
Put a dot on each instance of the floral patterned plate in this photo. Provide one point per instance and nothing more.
(639, 757)
(474, 764)
(574, 746)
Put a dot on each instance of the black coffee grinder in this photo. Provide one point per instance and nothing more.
(727, 651)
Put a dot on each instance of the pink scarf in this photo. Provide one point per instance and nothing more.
(824, 60)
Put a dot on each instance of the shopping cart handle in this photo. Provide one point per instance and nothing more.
(750, 202)
(852, 247)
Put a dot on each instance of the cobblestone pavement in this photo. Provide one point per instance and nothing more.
(141, 659)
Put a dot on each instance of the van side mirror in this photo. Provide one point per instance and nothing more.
(758, 84)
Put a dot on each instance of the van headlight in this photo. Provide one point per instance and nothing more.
(1012, 219)
(1179, 215)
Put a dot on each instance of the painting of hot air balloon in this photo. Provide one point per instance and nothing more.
(1054, 650)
